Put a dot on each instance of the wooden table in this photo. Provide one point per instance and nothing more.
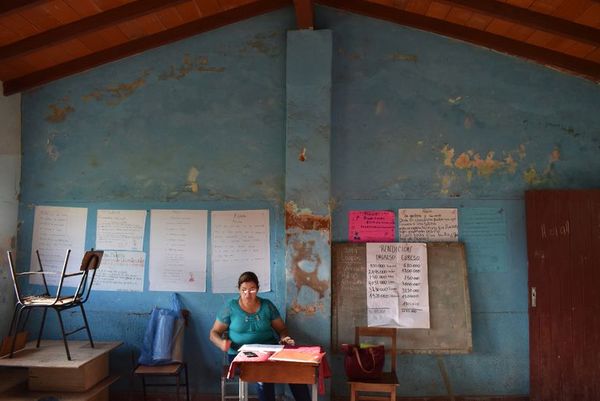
(277, 372)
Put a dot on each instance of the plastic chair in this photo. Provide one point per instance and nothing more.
(60, 301)
(388, 382)
(172, 370)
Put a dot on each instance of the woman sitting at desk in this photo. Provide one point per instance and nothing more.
(250, 319)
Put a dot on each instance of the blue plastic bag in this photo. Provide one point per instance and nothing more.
(158, 339)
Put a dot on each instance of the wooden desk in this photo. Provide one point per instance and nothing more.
(277, 372)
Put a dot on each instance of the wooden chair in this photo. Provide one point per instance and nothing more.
(388, 382)
(171, 370)
(64, 299)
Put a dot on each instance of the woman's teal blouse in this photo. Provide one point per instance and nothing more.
(249, 328)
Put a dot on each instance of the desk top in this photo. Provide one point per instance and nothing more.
(52, 354)
(20, 393)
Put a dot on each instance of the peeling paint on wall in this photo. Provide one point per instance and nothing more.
(302, 155)
(307, 242)
(396, 56)
(192, 184)
(532, 177)
(473, 162)
(260, 44)
(349, 55)
(304, 219)
(51, 149)
(59, 112)
(199, 64)
(379, 107)
(115, 94)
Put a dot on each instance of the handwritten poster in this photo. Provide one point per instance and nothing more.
(56, 230)
(120, 229)
(178, 250)
(240, 242)
(483, 229)
(121, 271)
(428, 225)
(397, 285)
(371, 226)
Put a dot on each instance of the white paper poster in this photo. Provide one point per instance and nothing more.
(428, 225)
(121, 271)
(397, 285)
(120, 229)
(178, 250)
(240, 242)
(55, 230)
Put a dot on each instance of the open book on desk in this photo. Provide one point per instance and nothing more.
(300, 354)
(260, 348)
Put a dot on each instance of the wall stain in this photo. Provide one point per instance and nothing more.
(59, 112)
(473, 162)
(396, 56)
(302, 155)
(303, 251)
(349, 55)
(308, 309)
(532, 177)
(192, 183)
(51, 149)
(260, 44)
(303, 219)
(379, 108)
(115, 94)
(199, 64)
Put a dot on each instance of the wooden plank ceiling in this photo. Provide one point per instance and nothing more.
(45, 40)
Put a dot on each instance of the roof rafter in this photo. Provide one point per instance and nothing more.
(523, 16)
(304, 14)
(15, 5)
(85, 25)
(145, 43)
(582, 67)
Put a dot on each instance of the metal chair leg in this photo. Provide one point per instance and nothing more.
(13, 321)
(87, 326)
(178, 382)
(62, 330)
(144, 388)
(41, 328)
(187, 383)
(14, 339)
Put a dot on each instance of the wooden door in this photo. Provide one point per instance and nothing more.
(563, 246)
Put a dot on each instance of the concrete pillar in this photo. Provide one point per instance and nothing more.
(307, 185)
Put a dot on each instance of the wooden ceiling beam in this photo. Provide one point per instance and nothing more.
(578, 66)
(305, 14)
(139, 45)
(9, 6)
(85, 25)
(523, 16)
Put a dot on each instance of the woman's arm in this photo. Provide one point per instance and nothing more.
(282, 331)
(216, 336)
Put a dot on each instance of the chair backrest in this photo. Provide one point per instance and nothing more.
(379, 332)
(90, 261)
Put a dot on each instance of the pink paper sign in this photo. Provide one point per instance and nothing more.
(371, 226)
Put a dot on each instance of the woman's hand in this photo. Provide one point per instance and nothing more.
(226, 345)
(287, 340)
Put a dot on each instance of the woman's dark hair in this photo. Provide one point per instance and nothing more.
(247, 277)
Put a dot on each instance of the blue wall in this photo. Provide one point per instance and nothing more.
(418, 121)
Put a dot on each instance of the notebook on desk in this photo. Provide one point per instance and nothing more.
(308, 355)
